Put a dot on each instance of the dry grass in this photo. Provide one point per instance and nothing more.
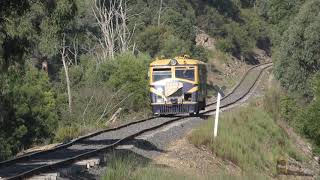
(129, 167)
(249, 137)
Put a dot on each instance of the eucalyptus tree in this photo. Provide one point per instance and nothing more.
(298, 57)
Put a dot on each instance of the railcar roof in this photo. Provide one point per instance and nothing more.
(180, 60)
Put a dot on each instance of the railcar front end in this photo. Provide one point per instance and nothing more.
(177, 86)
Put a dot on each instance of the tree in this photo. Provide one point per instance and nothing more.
(29, 33)
(298, 56)
(308, 119)
(28, 112)
(66, 71)
(112, 17)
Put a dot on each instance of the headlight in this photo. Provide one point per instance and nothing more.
(160, 90)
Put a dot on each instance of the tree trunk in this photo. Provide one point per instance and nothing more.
(63, 56)
(160, 9)
(68, 83)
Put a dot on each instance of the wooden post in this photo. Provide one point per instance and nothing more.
(216, 121)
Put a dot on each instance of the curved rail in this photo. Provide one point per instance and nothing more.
(241, 81)
(243, 95)
(47, 167)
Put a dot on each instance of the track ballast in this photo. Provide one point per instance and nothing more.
(90, 145)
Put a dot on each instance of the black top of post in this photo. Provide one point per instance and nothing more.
(219, 90)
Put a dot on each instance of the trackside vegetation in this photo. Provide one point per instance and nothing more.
(130, 166)
(62, 74)
(66, 69)
(249, 137)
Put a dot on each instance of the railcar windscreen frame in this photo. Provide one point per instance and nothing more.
(159, 74)
(185, 73)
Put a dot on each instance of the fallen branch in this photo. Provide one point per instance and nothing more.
(292, 167)
(114, 117)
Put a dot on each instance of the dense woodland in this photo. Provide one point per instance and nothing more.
(68, 65)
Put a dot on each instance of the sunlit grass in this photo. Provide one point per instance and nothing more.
(130, 167)
(248, 137)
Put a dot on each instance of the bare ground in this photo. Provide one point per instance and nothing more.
(184, 156)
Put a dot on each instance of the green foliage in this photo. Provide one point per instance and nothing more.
(67, 133)
(29, 113)
(307, 121)
(173, 46)
(150, 39)
(288, 109)
(130, 167)
(181, 24)
(241, 38)
(159, 41)
(131, 74)
(237, 40)
(272, 101)
(248, 137)
(211, 21)
(32, 31)
(124, 166)
(200, 53)
(297, 58)
(99, 90)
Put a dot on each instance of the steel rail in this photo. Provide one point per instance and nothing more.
(243, 95)
(107, 147)
(65, 145)
(240, 82)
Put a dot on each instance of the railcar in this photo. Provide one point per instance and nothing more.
(177, 86)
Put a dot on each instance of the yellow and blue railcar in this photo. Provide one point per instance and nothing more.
(177, 86)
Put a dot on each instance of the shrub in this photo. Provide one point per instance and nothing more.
(200, 53)
(173, 46)
(28, 110)
(308, 120)
(158, 41)
(131, 74)
(297, 57)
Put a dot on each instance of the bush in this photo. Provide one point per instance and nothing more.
(103, 89)
(161, 41)
(131, 75)
(211, 21)
(297, 57)
(151, 38)
(308, 120)
(28, 110)
(237, 40)
(200, 53)
(173, 46)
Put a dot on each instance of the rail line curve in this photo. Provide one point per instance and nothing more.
(91, 144)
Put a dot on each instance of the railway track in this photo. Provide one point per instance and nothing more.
(92, 144)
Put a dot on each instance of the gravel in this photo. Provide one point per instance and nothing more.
(149, 144)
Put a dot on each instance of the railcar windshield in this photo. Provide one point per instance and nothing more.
(160, 74)
(185, 73)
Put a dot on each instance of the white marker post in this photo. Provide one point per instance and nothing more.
(216, 121)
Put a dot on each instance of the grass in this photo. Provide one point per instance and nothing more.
(249, 137)
(129, 167)
(132, 167)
